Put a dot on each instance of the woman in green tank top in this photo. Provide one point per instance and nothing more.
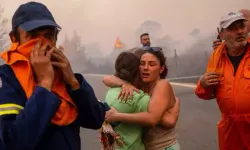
(126, 68)
(163, 111)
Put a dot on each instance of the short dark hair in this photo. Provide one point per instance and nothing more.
(160, 56)
(127, 66)
(144, 34)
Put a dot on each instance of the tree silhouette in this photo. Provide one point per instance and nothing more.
(151, 27)
(3, 30)
(89, 59)
(195, 32)
(3, 33)
(75, 52)
(194, 61)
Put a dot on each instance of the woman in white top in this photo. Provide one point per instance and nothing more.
(153, 72)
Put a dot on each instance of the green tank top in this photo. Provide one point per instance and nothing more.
(131, 134)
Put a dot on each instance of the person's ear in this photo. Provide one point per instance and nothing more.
(222, 35)
(12, 37)
(162, 69)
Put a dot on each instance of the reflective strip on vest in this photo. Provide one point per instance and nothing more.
(8, 109)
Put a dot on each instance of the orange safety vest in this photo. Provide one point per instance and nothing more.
(233, 97)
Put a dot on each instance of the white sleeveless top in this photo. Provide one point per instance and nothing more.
(159, 138)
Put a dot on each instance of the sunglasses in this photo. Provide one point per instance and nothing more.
(148, 48)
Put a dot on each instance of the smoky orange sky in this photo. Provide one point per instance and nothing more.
(103, 20)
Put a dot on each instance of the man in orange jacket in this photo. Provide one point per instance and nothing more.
(228, 80)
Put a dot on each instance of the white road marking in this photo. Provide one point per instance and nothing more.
(184, 84)
(98, 75)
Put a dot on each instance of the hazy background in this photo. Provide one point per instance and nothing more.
(184, 28)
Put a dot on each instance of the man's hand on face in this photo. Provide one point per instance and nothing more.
(216, 43)
(40, 61)
(60, 61)
(209, 79)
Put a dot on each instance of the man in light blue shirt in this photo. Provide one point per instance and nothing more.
(145, 40)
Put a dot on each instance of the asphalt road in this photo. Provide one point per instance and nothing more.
(197, 125)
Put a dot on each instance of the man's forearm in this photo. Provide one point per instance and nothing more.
(91, 111)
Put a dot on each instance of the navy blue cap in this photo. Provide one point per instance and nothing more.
(33, 15)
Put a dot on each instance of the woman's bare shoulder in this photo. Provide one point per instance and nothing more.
(166, 89)
(163, 83)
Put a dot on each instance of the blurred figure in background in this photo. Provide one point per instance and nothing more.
(145, 40)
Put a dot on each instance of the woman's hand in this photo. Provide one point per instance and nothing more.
(127, 89)
(111, 115)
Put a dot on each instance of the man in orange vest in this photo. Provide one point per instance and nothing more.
(228, 80)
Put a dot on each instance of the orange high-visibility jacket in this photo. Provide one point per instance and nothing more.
(233, 97)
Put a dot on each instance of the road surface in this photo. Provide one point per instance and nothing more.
(197, 125)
